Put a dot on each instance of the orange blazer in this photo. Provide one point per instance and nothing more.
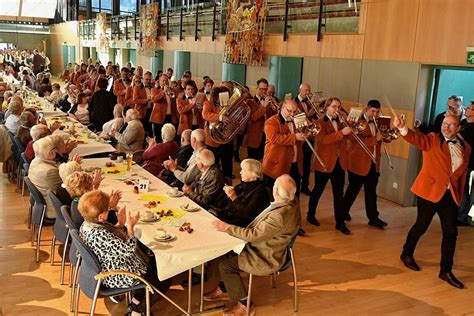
(160, 105)
(140, 100)
(279, 151)
(330, 146)
(186, 111)
(120, 90)
(210, 113)
(253, 135)
(129, 96)
(358, 161)
(436, 173)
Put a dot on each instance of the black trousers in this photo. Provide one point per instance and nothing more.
(307, 154)
(294, 174)
(257, 153)
(337, 177)
(147, 125)
(447, 212)
(370, 182)
(224, 156)
(157, 129)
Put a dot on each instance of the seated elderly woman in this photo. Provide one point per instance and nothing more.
(206, 190)
(80, 110)
(156, 154)
(64, 148)
(248, 199)
(44, 172)
(76, 183)
(114, 123)
(27, 121)
(133, 136)
(127, 254)
(12, 122)
(55, 96)
(65, 170)
(37, 132)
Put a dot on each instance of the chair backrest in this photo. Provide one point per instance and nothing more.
(18, 144)
(39, 204)
(60, 229)
(16, 150)
(75, 215)
(287, 262)
(90, 266)
(65, 212)
(24, 161)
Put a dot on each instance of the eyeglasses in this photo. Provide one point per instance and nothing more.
(450, 125)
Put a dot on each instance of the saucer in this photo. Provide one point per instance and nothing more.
(151, 220)
(167, 237)
(189, 208)
(178, 194)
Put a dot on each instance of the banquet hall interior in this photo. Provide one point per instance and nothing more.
(200, 137)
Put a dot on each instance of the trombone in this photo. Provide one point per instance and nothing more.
(383, 146)
(359, 128)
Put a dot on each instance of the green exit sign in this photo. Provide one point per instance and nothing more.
(470, 58)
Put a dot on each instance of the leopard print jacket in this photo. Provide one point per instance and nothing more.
(113, 254)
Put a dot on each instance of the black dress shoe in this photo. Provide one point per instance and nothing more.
(378, 223)
(451, 279)
(461, 223)
(195, 280)
(347, 217)
(343, 229)
(305, 191)
(301, 232)
(409, 262)
(312, 220)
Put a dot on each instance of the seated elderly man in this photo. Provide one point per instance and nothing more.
(267, 239)
(12, 122)
(191, 172)
(133, 136)
(207, 189)
(43, 172)
(248, 199)
(27, 121)
(115, 123)
(156, 154)
(181, 158)
(37, 132)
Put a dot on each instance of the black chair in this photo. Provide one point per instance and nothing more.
(289, 262)
(60, 231)
(38, 213)
(26, 168)
(90, 277)
(19, 149)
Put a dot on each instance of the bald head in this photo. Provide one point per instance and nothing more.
(271, 90)
(186, 137)
(305, 90)
(198, 138)
(289, 108)
(284, 189)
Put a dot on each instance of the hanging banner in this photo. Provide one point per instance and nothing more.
(103, 41)
(149, 27)
(245, 32)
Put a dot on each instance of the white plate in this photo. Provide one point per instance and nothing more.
(190, 208)
(179, 194)
(168, 237)
(151, 220)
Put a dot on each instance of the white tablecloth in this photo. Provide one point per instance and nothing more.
(187, 250)
(90, 145)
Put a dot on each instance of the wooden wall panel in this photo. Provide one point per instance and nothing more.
(349, 46)
(444, 30)
(390, 29)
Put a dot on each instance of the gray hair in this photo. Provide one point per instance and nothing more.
(199, 135)
(205, 157)
(43, 147)
(15, 107)
(58, 140)
(168, 132)
(254, 166)
(285, 187)
(186, 135)
(68, 168)
(133, 114)
(118, 110)
(38, 130)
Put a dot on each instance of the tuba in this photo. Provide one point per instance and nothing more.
(236, 113)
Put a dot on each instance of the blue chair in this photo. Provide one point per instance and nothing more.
(26, 168)
(289, 262)
(60, 231)
(76, 215)
(90, 277)
(20, 149)
(16, 156)
(38, 212)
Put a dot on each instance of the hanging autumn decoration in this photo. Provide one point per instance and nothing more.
(148, 26)
(245, 32)
(103, 41)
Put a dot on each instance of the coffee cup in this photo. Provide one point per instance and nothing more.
(119, 159)
(160, 233)
(146, 215)
(174, 191)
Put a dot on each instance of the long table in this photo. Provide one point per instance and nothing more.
(187, 250)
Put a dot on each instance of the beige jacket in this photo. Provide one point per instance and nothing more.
(5, 144)
(268, 237)
(132, 138)
(44, 174)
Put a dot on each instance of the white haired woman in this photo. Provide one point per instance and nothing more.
(156, 154)
(117, 248)
(248, 199)
(44, 172)
(114, 123)
(12, 123)
(37, 132)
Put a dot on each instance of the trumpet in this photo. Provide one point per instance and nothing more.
(356, 128)
(170, 92)
(308, 129)
(273, 104)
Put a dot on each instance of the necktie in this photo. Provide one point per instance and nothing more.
(452, 141)
(371, 121)
(335, 119)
